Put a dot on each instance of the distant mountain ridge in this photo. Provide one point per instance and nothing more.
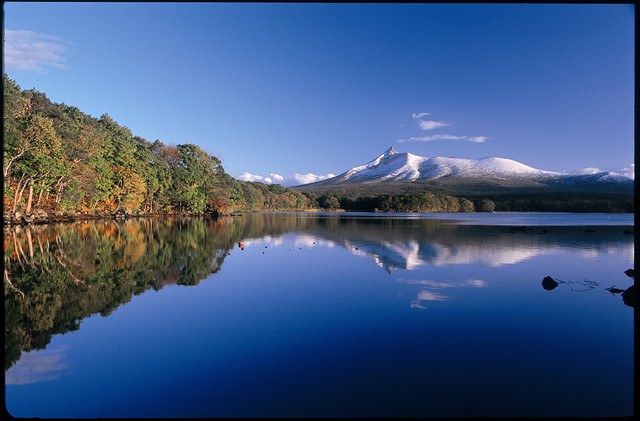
(406, 171)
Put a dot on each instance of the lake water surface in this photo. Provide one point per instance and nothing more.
(314, 315)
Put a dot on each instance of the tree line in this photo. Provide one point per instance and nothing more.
(414, 202)
(58, 160)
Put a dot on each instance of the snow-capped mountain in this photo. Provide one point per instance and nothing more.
(393, 167)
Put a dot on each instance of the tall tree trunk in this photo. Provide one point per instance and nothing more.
(59, 187)
(30, 199)
(40, 196)
(19, 190)
(15, 198)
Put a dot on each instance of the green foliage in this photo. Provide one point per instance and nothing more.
(58, 158)
(568, 202)
(328, 202)
(486, 205)
(417, 202)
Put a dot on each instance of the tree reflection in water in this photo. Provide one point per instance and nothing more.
(57, 275)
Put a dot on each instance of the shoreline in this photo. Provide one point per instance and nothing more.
(43, 218)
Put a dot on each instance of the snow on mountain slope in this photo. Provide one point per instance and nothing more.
(601, 177)
(389, 165)
(392, 165)
(392, 168)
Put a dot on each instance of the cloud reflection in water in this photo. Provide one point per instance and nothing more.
(38, 366)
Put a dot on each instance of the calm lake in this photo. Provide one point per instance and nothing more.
(328, 314)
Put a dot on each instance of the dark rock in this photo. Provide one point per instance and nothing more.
(630, 296)
(549, 283)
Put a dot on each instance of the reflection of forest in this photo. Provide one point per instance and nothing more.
(56, 275)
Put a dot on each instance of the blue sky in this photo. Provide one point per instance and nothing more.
(291, 93)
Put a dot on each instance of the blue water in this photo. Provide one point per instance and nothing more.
(500, 218)
(362, 316)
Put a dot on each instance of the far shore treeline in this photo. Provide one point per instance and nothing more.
(62, 164)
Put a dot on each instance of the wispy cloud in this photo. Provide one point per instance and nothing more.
(477, 139)
(38, 366)
(28, 50)
(431, 125)
(431, 138)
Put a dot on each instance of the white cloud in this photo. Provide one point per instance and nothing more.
(629, 172)
(588, 170)
(478, 139)
(294, 180)
(431, 125)
(27, 50)
(310, 178)
(431, 138)
(251, 177)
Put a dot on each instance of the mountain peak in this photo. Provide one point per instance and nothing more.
(390, 151)
(386, 154)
